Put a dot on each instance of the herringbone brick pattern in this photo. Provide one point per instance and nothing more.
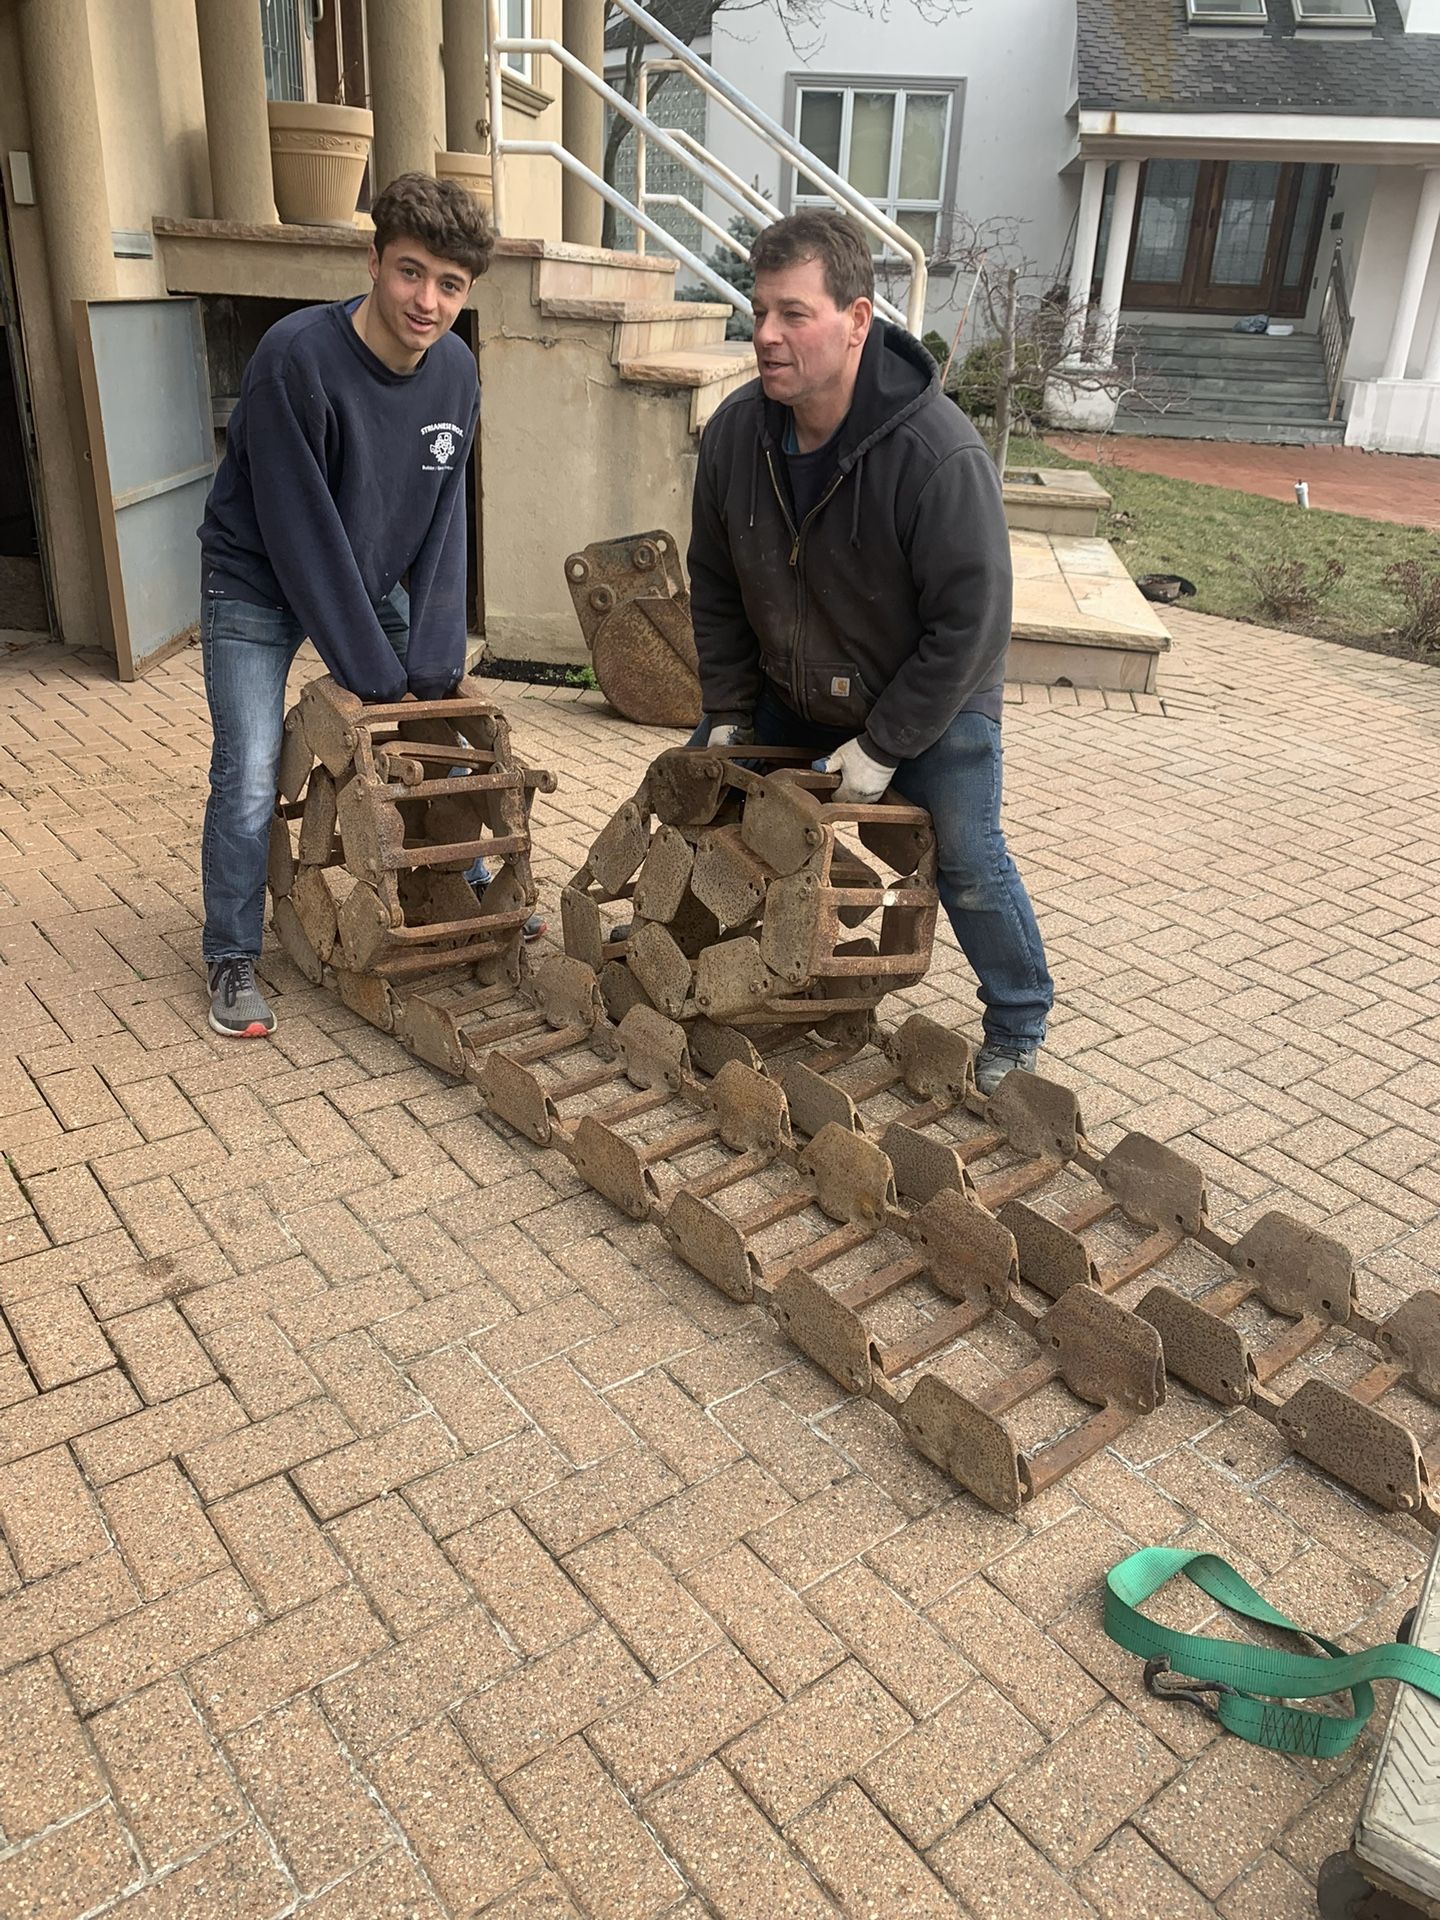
(391, 1530)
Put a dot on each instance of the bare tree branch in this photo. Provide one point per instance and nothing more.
(803, 22)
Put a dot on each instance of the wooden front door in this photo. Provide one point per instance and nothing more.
(1226, 236)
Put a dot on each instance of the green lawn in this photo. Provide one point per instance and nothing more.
(1215, 536)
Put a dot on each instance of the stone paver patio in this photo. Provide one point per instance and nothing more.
(391, 1529)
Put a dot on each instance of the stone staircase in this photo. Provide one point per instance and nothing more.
(597, 383)
(1214, 384)
(658, 342)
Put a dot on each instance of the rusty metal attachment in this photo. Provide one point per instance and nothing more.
(748, 898)
(634, 611)
(382, 810)
(706, 1055)
(1104, 1356)
(887, 1215)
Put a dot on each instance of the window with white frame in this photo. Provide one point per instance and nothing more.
(518, 17)
(892, 143)
(1227, 13)
(1334, 13)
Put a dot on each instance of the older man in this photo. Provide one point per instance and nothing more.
(850, 583)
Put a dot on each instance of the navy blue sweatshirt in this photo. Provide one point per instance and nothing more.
(340, 475)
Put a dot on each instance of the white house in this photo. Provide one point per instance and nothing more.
(1177, 163)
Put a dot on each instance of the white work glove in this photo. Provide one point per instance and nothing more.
(862, 779)
(731, 737)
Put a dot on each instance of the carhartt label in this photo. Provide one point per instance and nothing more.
(840, 687)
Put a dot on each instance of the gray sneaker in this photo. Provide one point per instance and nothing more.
(999, 1057)
(238, 1009)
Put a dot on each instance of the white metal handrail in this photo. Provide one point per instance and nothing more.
(552, 150)
(718, 178)
(765, 212)
(784, 143)
(702, 219)
(499, 146)
(762, 211)
(859, 209)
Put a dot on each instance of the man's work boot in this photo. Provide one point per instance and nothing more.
(999, 1057)
(238, 1009)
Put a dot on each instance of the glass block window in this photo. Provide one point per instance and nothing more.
(676, 103)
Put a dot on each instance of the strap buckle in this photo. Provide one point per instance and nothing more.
(1165, 1684)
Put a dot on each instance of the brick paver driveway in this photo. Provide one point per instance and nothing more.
(393, 1530)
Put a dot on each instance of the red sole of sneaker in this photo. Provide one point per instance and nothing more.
(257, 1030)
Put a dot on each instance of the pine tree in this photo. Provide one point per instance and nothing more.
(738, 272)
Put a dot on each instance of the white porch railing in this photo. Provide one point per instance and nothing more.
(714, 176)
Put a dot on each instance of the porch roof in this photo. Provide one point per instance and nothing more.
(1141, 56)
(1331, 139)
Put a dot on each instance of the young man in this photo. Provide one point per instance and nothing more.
(850, 584)
(344, 470)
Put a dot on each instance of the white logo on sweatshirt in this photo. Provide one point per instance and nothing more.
(443, 447)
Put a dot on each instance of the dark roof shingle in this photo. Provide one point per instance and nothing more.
(1136, 55)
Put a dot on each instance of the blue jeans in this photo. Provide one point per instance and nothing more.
(958, 781)
(246, 652)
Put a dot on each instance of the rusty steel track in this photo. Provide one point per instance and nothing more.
(954, 1259)
(1011, 1297)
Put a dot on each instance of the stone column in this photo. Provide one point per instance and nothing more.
(1117, 255)
(74, 210)
(1082, 265)
(582, 114)
(69, 159)
(403, 72)
(232, 68)
(1412, 283)
(467, 109)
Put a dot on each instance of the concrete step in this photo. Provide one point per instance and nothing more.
(1260, 355)
(1201, 340)
(687, 326)
(1223, 385)
(643, 328)
(1263, 432)
(1149, 353)
(1285, 405)
(1237, 372)
(1256, 406)
(587, 273)
(711, 373)
(1232, 384)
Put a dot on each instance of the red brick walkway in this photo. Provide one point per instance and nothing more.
(1377, 486)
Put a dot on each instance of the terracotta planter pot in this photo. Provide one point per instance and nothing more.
(317, 156)
(471, 170)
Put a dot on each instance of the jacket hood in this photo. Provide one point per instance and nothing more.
(896, 375)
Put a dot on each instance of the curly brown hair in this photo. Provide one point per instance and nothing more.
(834, 239)
(441, 215)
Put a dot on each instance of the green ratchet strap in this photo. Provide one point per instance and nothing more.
(1251, 1683)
